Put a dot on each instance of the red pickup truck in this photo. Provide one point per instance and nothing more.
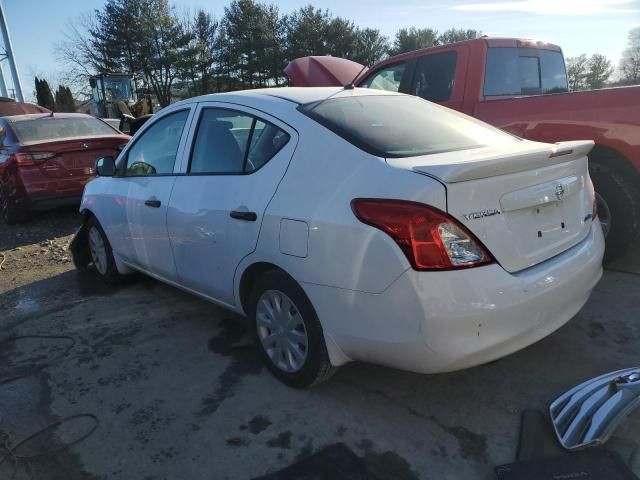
(520, 86)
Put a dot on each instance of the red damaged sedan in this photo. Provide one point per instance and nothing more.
(46, 159)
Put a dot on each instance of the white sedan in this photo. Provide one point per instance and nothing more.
(351, 224)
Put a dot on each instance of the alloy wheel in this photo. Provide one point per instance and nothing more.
(98, 250)
(282, 331)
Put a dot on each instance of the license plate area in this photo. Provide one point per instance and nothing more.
(550, 224)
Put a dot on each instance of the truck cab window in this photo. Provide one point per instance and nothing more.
(435, 76)
(388, 78)
(524, 71)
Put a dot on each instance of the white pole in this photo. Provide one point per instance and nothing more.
(9, 56)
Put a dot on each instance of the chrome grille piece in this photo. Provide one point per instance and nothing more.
(586, 415)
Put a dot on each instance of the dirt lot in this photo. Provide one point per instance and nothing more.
(174, 391)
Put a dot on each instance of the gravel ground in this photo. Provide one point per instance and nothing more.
(174, 390)
(38, 249)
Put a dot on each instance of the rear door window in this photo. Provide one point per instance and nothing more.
(389, 78)
(434, 76)
(233, 142)
(524, 71)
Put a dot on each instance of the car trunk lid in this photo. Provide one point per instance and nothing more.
(74, 157)
(525, 205)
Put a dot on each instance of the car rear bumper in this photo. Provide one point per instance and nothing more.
(432, 322)
(39, 188)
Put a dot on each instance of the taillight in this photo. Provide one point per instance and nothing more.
(26, 159)
(430, 239)
(594, 208)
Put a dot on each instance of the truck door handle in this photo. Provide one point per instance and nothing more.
(244, 215)
(153, 203)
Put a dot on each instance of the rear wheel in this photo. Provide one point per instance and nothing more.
(9, 210)
(287, 331)
(101, 253)
(618, 202)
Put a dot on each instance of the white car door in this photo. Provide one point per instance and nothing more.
(236, 161)
(138, 224)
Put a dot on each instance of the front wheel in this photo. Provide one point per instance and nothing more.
(287, 331)
(618, 203)
(101, 253)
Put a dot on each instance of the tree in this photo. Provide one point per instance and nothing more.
(577, 69)
(342, 38)
(305, 32)
(371, 46)
(458, 35)
(599, 71)
(201, 55)
(630, 63)
(44, 97)
(248, 44)
(140, 37)
(64, 100)
(413, 39)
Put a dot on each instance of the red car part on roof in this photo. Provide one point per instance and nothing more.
(322, 71)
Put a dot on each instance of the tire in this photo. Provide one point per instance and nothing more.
(315, 366)
(619, 200)
(102, 259)
(9, 210)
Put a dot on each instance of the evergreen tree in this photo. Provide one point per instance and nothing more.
(409, 39)
(577, 69)
(44, 97)
(458, 35)
(64, 100)
(599, 71)
(371, 47)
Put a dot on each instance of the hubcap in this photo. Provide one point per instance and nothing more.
(604, 214)
(281, 331)
(98, 250)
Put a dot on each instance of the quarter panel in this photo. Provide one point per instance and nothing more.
(325, 175)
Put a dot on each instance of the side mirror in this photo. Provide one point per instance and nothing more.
(105, 167)
(1, 136)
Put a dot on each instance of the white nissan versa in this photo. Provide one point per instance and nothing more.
(351, 224)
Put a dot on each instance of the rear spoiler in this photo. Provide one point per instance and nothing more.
(504, 164)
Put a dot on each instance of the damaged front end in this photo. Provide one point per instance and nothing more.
(587, 415)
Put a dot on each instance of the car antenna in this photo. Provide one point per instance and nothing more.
(350, 86)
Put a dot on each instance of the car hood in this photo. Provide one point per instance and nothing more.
(322, 71)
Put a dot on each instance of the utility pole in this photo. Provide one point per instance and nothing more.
(7, 57)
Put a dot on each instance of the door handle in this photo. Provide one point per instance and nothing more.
(153, 203)
(244, 215)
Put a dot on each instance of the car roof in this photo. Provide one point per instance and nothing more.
(298, 95)
(33, 116)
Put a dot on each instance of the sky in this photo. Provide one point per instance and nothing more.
(578, 26)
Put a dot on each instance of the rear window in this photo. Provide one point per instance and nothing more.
(524, 71)
(402, 125)
(51, 128)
